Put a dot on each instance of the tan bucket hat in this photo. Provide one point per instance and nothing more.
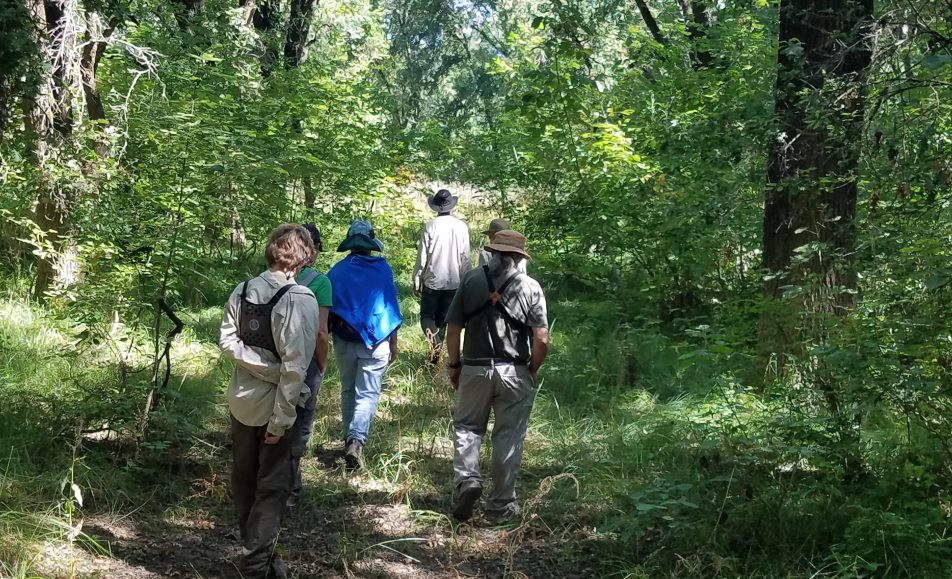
(497, 225)
(509, 241)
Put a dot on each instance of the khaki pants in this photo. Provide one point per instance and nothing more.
(508, 391)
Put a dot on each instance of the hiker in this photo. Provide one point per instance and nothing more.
(320, 286)
(507, 338)
(269, 330)
(442, 259)
(495, 226)
(364, 321)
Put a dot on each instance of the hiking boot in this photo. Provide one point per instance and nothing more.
(278, 569)
(467, 494)
(501, 516)
(353, 453)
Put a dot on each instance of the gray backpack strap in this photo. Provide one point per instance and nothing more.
(307, 278)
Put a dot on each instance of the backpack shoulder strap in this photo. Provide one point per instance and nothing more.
(307, 278)
(279, 294)
(489, 278)
(494, 294)
(244, 291)
(508, 281)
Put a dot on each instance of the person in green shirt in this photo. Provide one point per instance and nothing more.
(320, 285)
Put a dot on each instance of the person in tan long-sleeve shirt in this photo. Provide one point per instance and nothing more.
(269, 330)
(443, 258)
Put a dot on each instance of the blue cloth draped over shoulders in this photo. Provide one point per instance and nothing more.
(365, 296)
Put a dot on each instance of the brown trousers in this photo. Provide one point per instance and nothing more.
(260, 485)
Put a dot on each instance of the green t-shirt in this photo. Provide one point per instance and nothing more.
(321, 286)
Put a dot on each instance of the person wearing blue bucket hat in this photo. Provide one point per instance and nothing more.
(364, 321)
(360, 236)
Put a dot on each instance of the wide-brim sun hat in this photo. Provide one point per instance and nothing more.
(509, 241)
(442, 201)
(360, 235)
(497, 225)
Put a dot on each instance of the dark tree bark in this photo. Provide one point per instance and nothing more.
(811, 172)
(650, 22)
(265, 16)
(809, 233)
(95, 46)
(299, 24)
(697, 31)
(188, 9)
(697, 14)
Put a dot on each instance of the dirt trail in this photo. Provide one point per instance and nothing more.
(345, 526)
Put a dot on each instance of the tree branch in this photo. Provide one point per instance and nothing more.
(651, 23)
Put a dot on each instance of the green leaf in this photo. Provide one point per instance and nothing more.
(936, 61)
(937, 281)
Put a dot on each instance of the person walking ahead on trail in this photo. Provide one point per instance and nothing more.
(364, 321)
(269, 330)
(495, 226)
(320, 286)
(507, 339)
(442, 260)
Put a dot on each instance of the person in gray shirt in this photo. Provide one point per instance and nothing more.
(495, 226)
(442, 260)
(507, 338)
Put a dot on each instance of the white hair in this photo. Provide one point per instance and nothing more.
(501, 263)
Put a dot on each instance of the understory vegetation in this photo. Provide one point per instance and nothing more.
(739, 213)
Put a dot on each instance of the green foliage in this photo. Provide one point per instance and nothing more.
(637, 169)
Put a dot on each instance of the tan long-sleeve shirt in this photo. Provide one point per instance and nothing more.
(264, 389)
(442, 255)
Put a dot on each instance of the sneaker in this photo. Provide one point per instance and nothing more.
(352, 453)
(467, 494)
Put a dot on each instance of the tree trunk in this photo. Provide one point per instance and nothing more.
(299, 25)
(95, 46)
(188, 9)
(48, 121)
(810, 207)
(308, 187)
(650, 22)
(809, 233)
(697, 31)
(264, 16)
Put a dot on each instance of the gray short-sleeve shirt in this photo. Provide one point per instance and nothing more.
(489, 334)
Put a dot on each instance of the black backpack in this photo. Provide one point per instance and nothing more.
(254, 320)
(494, 299)
(494, 306)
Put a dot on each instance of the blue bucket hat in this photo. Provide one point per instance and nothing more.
(360, 235)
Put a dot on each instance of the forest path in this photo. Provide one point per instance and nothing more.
(389, 519)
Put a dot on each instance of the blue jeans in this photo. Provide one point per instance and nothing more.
(361, 376)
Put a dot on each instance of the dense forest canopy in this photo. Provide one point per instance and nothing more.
(740, 211)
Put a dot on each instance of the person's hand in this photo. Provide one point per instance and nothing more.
(394, 353)
(454, 376)
(416, 293)
(271, 439)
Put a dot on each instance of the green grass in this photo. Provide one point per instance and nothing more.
(647, 455)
